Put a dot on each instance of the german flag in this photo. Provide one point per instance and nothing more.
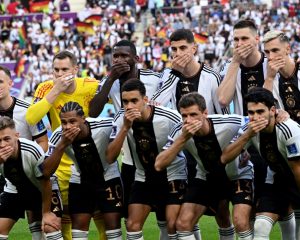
(20, 66)
(95, 19)
(39, 6)
(85, 27)
(162, 33)
(200, 38)
(22, 36)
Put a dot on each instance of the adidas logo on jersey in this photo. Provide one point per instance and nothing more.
(56, 209)
(252, 78)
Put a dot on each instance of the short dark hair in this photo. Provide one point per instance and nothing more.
(260, 95)
(7, 122)
(182, 34)
(6, 71)
(191, 99)
(72, 106)
(246, 23)
(126, 43)
(66, 54)
(134, 84)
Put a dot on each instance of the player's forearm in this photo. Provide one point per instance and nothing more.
(226, 90)
(37, 111)
(51, 163)
(114, 148)
(165, 158)
(43, 142)
(268, 84)
(99, 100)
(52, 95)
(234, 149)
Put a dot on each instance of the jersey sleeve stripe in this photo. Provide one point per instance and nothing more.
(168, 114)
(176, 129)
(285, 130)
(171, 79)
(55, 137)
(30, 148)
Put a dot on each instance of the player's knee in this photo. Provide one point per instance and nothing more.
(183, 225)
(262, 227)
(171, 225)
(133, 226)
(241, 222)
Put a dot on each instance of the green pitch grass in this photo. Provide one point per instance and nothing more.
(207, 225)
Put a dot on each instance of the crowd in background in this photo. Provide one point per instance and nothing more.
(157, 19)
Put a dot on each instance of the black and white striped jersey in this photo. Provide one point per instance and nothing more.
(147, 138)
(26, 169)
(247, 77)
(225, 127)
(279, 147)
(207, 84)
(91, 160)
(151, 79)
(287, 92)
(17, 112)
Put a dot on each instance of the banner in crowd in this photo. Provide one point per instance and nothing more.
(39, 6)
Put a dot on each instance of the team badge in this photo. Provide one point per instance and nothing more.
(114, 131)
(290, 102)
(292, 148)
(50, 150)
(40, 126)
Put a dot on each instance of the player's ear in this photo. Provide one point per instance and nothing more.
(145, 98)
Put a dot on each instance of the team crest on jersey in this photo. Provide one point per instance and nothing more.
(114, 131)
(292, 148)
(40, 126)
(169, 143)
(50, 150)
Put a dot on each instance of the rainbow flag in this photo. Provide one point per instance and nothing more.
(22, 36)
(20, 66)
(200, 38)
(85, 27)
(95, 19)
(40, 6)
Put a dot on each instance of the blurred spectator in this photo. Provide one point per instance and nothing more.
(64, 6)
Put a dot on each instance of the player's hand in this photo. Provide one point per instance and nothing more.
(241, 52)
(129, 116)
(274, 65)
(190, 129)
(5, 153)
(63, 82)
(118, 69)
(281, 115)
(50, 220)
(179, 63)
(69, 135)
(244, 158)
(153, 103)
(255, 126)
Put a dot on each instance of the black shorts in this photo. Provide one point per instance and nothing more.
(260, 171)
(177, 189)
(154, 195)
(242, 191)
(85, 198)
(127, 175)
(13, 205)
(206, 192)
(277, 197)
(56, 203)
